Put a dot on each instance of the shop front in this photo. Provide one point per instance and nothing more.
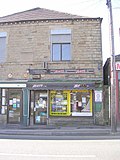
(11, 103)
(51, 101)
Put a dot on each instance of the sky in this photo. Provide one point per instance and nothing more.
(89, 8)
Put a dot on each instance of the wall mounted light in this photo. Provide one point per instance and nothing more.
(10, 75)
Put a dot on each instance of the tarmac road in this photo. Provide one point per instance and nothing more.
(15, 149)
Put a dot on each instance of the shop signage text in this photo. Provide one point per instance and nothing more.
(61, 86)
(39, 86)
(71, 71)
(80, 85)
(83, 85)
(60, 71)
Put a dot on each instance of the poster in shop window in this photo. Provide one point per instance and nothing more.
(83, 99)
(98, 96)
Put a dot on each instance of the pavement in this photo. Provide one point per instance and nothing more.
(82, 131)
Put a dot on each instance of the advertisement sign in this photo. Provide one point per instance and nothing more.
(98, 96)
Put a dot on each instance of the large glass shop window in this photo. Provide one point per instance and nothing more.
(81, 103)
(59, 103)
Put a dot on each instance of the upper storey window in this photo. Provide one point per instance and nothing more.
(3, 36)
(61, 45)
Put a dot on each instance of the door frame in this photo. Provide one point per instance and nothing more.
(33, 120)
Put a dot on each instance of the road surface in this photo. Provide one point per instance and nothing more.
(26, 149)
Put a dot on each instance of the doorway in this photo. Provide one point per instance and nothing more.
(14, 115)
(38, 107)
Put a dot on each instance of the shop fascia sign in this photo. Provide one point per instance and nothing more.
(77, 86)
(73, 71)
(14, 85)
(39, 86)
(59, 86)
(60, 71)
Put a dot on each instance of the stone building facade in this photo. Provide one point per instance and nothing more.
(50, 69)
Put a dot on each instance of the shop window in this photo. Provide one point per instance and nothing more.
(81, 103)
(3, 101)
(61, 45)
(60, 103)
(3, 106)
(3, 36)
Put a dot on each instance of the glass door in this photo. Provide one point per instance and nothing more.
(14, 105)
(38, 107)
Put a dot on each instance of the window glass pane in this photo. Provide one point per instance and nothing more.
(3, 106)
(2, 49)
(4, 94)
(80, 103)
(40, 107)
(15, 105)
(66, 52)
(56, 52)
(59, 103)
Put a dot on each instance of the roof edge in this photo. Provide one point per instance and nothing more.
(52, 19)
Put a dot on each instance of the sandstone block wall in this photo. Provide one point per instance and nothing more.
(29, 45)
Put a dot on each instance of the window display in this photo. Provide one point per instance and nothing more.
(59, 103)
(79, 100)
(81, 103)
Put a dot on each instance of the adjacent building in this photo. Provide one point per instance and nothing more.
(107, 84)
(50, 69)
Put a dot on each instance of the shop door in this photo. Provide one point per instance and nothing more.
(14, 106)
(38, 109)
